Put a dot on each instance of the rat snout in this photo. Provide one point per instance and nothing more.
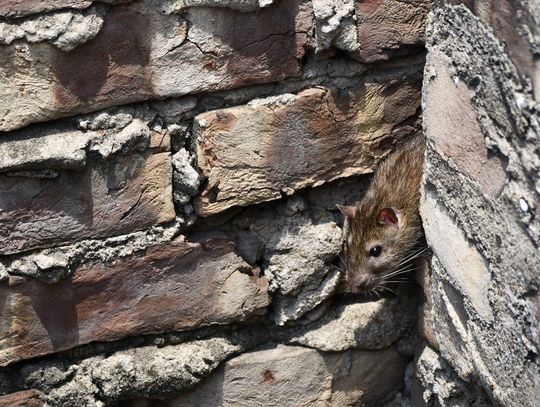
(361, 282)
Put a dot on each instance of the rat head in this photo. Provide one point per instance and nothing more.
(376, 244)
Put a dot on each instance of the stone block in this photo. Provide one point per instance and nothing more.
(24, 398)
(145, 371)
(167, 287)
(481, 187)
(454, 131)
(140, 53)
(108, 197)
(388, 28)
(274, 146)
(296, 256)
(359, 325)
(297, 376)
(20, 8)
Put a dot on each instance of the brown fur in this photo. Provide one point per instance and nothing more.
(396, 185)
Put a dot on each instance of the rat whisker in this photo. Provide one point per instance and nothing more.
(397, 273)
(402, 270)
(413, 255)
(388, 289)
(336, 267)
(342, 261)
(397, 281)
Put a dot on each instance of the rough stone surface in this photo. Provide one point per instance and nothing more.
(172, 287)
(388, 27)
(296, 376)
(139, 372)
(335, 25)
(296, 141)
(361, 325)
(140, 53)
(21, 8)
(25, 398)
(480, 211)
(240, 5)
(441, 386)
(117, 196)
(64, 29)
(51, 265)
(296, 253)
(185, 177)
(516, 23)
(56, 149)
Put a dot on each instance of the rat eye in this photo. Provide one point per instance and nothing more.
(375, 251)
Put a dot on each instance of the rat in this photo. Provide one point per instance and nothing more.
(383, 233)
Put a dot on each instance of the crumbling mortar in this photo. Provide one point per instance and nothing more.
(66, 259)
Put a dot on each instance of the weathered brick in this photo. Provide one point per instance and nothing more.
(25, 398)
(388, 27)
(169, 287)
(507, 19)
(254, 153)
(454, 131)
(19, 8)
(108, 197)
(297, 376)
(142, 54)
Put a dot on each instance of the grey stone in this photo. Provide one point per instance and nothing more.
(3, 273)
(64, 29)
(185, 177)
(297, 376)
(106, 120)
(135, 137)
(441, 386)
(138, 372)
(297, 254)
(174, 6)
(482, 160)
(51, 147)
(49, 268)
(361, 325)
(335, 25)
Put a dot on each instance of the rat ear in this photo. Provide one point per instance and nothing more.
(348, 211)
(389, 217)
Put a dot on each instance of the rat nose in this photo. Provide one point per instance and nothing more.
(362, 281)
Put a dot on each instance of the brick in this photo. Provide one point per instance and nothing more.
(297, 376)
(507, 19)
(141, 54)
(169, 287)
(454, 130)
(25, 398)
(254, 153)
(19, 8)
(387, 27)
(108, 197)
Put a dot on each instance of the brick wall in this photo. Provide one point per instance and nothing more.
(169, 172)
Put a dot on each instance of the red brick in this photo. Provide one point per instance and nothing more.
(168, 287)
(451, 124)
(389, 27)
(114, 197)
(253, 153)
(141, 54)
(25, 398)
